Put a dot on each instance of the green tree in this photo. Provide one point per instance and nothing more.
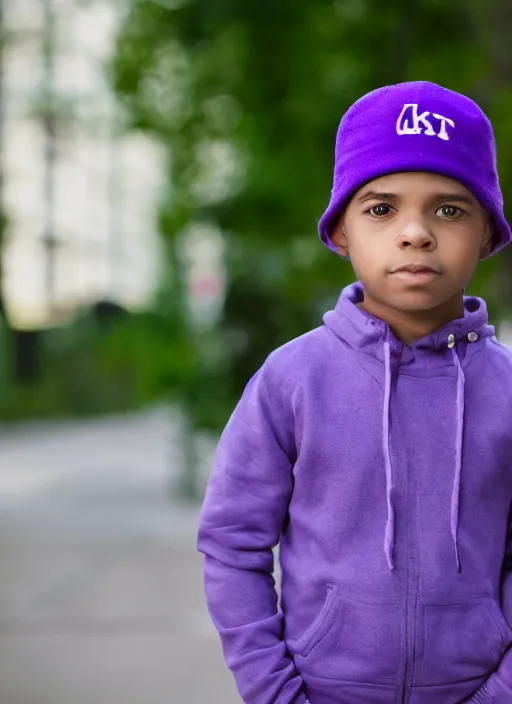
(247, 97)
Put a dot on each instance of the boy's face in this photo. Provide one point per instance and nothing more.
(415, 219)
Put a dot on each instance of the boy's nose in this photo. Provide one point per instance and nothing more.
(415, 235)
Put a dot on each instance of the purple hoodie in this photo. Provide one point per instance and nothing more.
(385, 472)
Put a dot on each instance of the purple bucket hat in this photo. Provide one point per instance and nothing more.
(417, 126)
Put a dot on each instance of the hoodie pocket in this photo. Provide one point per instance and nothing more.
(312, 635)
(460, 642)
(351, 641)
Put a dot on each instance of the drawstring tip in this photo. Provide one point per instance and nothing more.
(388, 551)
(456, 547)
(457, 559)
(389, 534)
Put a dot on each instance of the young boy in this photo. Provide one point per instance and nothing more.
(377, 449)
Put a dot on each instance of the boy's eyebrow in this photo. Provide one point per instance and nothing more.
(372, 195)
(460, 197)
(440, 198)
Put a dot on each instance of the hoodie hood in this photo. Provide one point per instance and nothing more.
(372, 336)
(363, 331)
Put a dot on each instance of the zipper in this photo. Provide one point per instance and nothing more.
(412, 588)
(410, 639)
(396, 350)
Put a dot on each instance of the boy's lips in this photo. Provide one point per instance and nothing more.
(415, 273)
(415, 268)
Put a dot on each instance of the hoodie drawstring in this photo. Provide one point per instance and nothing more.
(454, 513)
(389, 538)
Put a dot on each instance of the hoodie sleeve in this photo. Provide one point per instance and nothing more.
(497, 689)
(244, 510)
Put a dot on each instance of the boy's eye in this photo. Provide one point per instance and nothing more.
(450, 212)
(379, 210)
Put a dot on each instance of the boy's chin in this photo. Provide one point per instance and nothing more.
(417, 301)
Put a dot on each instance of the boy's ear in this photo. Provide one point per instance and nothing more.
(339, 237)
(488, 239)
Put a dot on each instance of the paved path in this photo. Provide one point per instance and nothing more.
(100, 592)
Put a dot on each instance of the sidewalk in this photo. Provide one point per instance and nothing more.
(101, 596)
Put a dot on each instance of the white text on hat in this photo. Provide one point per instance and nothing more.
(402, 124)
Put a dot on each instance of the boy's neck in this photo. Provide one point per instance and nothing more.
(410, 326)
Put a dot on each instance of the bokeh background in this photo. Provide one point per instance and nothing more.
(163, 165)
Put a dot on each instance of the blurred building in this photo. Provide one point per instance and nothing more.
(80, 196)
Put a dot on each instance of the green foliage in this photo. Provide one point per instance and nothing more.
(75, 378)
(248, 96)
